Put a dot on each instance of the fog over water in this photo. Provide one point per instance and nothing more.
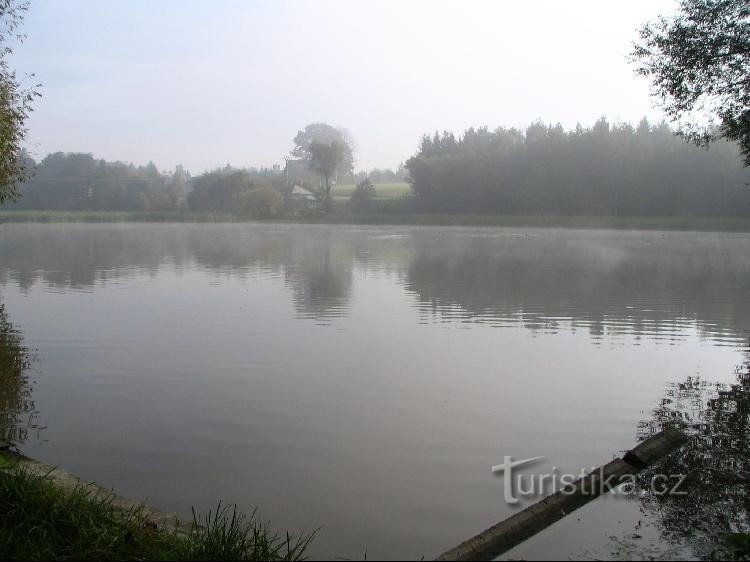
(362, 379)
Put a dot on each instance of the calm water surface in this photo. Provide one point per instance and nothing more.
(360, 379)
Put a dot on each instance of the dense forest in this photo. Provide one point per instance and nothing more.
(614, 170)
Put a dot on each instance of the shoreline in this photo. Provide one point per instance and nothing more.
(49, 513)
(703, 224)
(68, 483)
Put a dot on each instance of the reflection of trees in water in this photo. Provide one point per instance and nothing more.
(320, 275)
(608, 283)
(17, 408)
(317, 266)
(80, 256)
(646, 285)
(716, 461)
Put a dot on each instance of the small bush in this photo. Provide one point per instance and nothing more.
(362, 198)
(262, 203)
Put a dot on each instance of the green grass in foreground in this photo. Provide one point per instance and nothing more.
(737, 547)
(38, 521)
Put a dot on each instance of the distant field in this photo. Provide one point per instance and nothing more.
(382, 191)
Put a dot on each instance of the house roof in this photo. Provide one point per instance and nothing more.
(301, 191)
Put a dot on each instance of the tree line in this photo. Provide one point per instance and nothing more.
(74, 181)
(80, 182)
(607, 169)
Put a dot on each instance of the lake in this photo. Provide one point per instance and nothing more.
(363, 380)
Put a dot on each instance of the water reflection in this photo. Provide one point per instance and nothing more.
(320, 275)
(611, 284)
(716, 462)
(17, 407)
(314, 370)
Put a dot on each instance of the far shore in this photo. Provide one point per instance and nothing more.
(702, 224)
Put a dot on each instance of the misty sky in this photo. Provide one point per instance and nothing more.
(210, 83)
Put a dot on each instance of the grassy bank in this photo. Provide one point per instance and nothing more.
(110, 216)
(40, 521)
(341, 216)
(538, 221)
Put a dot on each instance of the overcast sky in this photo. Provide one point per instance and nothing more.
(210, 83)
